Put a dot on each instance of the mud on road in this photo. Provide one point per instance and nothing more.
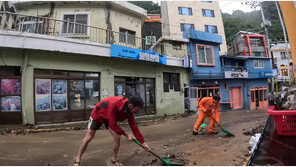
(170, 137)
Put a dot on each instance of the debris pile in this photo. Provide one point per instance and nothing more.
(285, 100)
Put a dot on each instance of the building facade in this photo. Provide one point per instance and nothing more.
(241, 81)
(179, 16)
(283, 62)
(49, 77)
(288, 10)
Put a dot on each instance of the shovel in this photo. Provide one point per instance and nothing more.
(223, 130)
(163, 159)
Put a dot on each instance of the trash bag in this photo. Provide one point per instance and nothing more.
(254, 140)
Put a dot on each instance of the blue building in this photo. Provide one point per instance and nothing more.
(240, 80)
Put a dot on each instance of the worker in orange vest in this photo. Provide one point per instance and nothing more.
(208, 106)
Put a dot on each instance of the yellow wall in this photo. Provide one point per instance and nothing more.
(171, 18)
(98, 12)
(289, 13)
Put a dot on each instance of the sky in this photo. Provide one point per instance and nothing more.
(230, 6)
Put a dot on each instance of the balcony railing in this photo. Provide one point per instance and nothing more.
(235, 68)
(68, 29)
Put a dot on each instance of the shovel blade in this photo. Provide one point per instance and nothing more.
(227, 132)
(167, 163)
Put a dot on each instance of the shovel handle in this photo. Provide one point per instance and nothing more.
(213, 119)
(137, 142)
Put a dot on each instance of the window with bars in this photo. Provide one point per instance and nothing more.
(211, 29)
(205, 55)
(185, 26)
(208, 13)
(127, 36)
(171, 81)
(185, 11)
(75, 24)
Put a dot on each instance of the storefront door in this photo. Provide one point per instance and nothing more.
(258, 98)
(143, 87)
(236, 97)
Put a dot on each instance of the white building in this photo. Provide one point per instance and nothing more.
(283, 61)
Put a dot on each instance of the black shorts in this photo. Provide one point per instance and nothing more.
(95, 125)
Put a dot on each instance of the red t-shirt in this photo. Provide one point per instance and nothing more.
(110, 110)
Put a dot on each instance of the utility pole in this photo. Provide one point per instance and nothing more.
(285, 36)
(268, 43)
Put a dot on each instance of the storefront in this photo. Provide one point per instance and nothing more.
(65, 96)
(10, 95)
(143, 87)
(258, 98)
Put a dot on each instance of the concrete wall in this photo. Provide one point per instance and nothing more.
(171, 19)
(103, 15)
(166, 102)
(254, 72)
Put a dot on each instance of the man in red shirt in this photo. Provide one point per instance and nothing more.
(108, 112)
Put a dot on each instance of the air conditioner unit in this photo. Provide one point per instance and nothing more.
(150, 40)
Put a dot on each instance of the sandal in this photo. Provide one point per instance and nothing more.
(116, 163)
(110, 162)
(77, 163)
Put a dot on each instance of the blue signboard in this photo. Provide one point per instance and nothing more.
(136, 54)
(265, 74)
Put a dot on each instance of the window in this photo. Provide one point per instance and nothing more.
(75, 23)
(143, 87)
(284, 55)
(284, 72)
(211, 29)
(127, 36)
(185, 26)
(185, 11)
(171, 81)
(205, 55)
(256, 41)
(177, 45)
(208, 13)
(208, 91)
(60, 91)
(258, 64)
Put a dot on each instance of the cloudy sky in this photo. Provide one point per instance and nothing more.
(230, 6)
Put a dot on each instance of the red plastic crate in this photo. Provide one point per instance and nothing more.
(285, 121)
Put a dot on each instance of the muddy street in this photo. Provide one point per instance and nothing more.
(172, 137)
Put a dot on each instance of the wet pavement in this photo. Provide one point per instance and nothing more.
(171, 137)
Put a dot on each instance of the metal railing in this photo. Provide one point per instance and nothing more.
(235, 68)
(69, 29)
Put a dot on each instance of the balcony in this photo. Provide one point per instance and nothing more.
(235, 71)
(68, 29)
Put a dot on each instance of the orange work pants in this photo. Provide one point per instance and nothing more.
(201, 116)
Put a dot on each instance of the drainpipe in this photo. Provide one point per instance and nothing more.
(157, 42)
(23, 73)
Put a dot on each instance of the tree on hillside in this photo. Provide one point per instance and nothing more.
(241, 21)
(150, 6)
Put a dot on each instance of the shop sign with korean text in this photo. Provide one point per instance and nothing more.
(136, 54)
(234, 74)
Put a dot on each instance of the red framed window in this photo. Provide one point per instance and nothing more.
(205, 55)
